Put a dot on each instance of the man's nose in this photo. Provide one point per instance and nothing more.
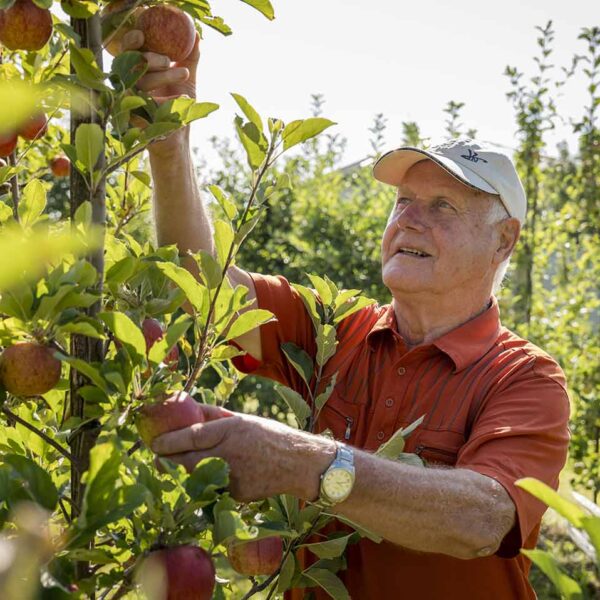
(411, 216)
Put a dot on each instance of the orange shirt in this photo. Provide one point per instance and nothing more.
(493, 403)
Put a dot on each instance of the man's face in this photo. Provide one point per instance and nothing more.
(444, 223)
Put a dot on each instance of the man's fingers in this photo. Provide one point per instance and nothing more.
(212, 413)
(158, 79)
(199, 436)
(132, 40)
(157, 62)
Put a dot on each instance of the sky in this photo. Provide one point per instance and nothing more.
(403, 59)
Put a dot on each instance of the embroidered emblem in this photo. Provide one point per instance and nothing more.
(473, 157)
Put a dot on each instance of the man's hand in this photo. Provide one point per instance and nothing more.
(265, 457)
(163, 81)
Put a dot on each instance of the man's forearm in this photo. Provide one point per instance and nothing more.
(180, 215)
(452, 511)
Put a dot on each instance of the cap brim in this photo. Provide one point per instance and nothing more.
(392, 167)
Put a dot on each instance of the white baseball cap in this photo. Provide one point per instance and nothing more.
(476, 164)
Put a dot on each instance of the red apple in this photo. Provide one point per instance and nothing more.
(35, 127)
(60, 166)
(117, 18)
(153, 331)
(167, 30)
(8, 143)
(25, 26)
(179, 573)
(175, 412)
(29, 369)
(256, 557)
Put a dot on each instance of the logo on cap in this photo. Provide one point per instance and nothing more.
(473, 157)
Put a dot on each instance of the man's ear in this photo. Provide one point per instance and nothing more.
(509, 231)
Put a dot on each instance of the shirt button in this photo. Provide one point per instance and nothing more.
(389, 402)
(401, 370)
(380, 435)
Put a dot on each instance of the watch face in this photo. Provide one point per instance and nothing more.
(337, 483)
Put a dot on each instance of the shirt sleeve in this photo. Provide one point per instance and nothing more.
(292, 324)
(522, 431)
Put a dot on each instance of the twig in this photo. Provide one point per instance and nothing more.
(41, 434)
(14, 185)
(64, 511)
(135, 447)
(203, 338)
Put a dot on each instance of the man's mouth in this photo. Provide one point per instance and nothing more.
(413, 252)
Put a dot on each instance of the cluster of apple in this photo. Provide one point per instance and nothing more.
(34, 128)
(250, 558)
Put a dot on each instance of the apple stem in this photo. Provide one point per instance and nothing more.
(49, 440)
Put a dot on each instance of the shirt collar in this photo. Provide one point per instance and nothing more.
(464, 344)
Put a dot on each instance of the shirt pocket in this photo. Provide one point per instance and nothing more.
(343, 419)
(439, 447)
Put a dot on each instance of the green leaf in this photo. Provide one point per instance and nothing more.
(286, 574)
(299, 131)
(568, 588)
(330, 582)
(195, 292)
(127, 68)
(122, 270)
(296, 403)
(331, 548)
(324, 396)
(569, 510)
(300, 360)
(247, 321)
(127, 332)
(208, 477)
(228, 522)
(395, 445)
(262, 6)
(253, 142)
(323, 289)
(310, 302)
(162, 347)
(86, 369)
(249, 111)
(223, 237)
(31, 482)
(87, 70)
(350, 307)
(326, 343)
(89, 144)
(225, 201)
(32, 203)
(210, 269)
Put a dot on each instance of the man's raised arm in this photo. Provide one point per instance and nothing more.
(181, 216)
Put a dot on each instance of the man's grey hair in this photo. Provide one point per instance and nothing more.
(497, 213)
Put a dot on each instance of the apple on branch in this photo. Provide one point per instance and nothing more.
(256, 557)
(29, 369)
(8, 143)
(169, 414)
(60, 166)
(25, 26)
(35, 127)
(178, 573)
(167, 30)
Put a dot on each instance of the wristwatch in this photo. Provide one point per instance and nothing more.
(337, 481)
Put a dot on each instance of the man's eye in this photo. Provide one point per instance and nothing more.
(402, 200)
(445, 204)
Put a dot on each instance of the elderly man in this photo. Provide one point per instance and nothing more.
(495, 406)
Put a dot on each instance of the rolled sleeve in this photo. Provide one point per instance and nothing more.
(292, 324)
(522, 431)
